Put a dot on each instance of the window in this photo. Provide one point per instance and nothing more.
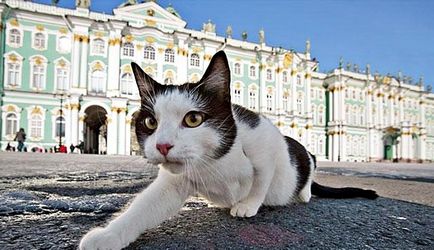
(312, 93)
(39, 41)
(15, 37)
(168, 80)
(285, 100)
(237, 96)
(63, 44)
(36, 126)
(194, 60)
(314, 113)
(269, 75)
(285, 76)
(321, 115)
(62, 78)
(362, 116)
(321, 146)
(252, 71)
(38, 77)
(354, 94)
(97, 82)
(299, 81)
(127, 84)
(320, 94)
(354, 113)
(128, 49)
(13, 74)
(11, 124)
(169, 56)
(269, 102)
(312, 144)
(349, 145)
(347, 115)
(60, 127)
(252, 98)
(237, 69)
(149, 53)
(98, 46)
(300, 103)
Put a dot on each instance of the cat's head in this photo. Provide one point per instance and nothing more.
(181, 125)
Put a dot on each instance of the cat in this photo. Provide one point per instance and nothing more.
(204, 144)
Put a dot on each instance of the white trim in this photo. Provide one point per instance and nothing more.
(68, 70)
(133, 57)
(44, 65)
(29, 123)
(58, 49)
(89, 77)
(91, 45)
(45, 34)
(6, 71)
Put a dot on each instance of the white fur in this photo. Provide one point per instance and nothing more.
(256, 171)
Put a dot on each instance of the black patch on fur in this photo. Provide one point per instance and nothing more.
(342, 193)
(299, 155)
(246, 116)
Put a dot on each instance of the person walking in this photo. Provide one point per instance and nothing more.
(20, 137)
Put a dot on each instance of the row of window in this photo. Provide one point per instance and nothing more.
(317, 144)
(356, 146)
(269, 76)
(35, 126)
(39, 41)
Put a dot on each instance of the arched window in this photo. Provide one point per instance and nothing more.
(62, 78)
(98, 46)
(169, 55)
(321, 115)
(285, 76)
(347, 114)
(362, 116)
(127, 84)
(269, 75)
(168, 80)
(39, 41)
(63, 44)
(149, 53)
(312, 144)
(36, 125)
(300, 98)
(314, 114)
(15, 37)
(299, 81)
(252, 72)
(38, 77)
(60, 126)
(237, 93)
(270, 99)
(128, 49)
(11, 124)
(97, 82)
(194, 60)
(13, 73)
(237, 69)
(253, 97)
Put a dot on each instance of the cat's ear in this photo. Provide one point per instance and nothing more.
(217, 76)
(145, 83)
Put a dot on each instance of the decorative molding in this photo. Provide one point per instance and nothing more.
(293, 72)
(114, 41)
(63, 30)
(14, 22)
(129, 38)
(150, 22)
(150, 39)
(40, 27)
(207, 57)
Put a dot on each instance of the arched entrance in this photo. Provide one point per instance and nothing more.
(391, 141)
(95, 130)
(134, 144)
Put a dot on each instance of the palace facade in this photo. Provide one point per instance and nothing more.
(66, 77)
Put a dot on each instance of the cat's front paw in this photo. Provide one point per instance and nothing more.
(244, 210)
(101, 239)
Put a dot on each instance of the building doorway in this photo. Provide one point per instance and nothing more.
(95, 130)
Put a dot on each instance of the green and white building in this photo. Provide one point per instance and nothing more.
(82, 59)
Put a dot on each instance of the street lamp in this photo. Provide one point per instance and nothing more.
(62, 120)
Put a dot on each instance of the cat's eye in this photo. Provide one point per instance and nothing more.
(193, 119)
(151, 123)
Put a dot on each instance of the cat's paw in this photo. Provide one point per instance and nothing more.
(244, 210)
(101, 239)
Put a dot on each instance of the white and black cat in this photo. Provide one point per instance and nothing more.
(203, 144)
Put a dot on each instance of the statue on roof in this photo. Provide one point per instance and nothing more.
(341, 62)
(261, 36)
(208, 27)
(348, 67)
(128, 3)
(244, 36)
(229, 32)
(82, 4)
(307, 46)
(172, 10)
(368, 69)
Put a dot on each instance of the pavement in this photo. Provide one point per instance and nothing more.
(48, 201)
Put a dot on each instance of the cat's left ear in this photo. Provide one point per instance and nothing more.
(145, 83)
(217, 77)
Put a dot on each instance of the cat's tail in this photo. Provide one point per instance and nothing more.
(342, 193)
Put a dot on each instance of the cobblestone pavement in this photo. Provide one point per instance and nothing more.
(49, 201)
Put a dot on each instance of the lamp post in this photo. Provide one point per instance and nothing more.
(61, 121)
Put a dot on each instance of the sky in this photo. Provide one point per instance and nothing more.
(390, 35)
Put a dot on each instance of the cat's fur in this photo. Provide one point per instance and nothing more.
(236, 158)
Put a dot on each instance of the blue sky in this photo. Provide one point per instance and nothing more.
(391, 35)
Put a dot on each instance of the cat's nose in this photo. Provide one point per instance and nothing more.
(164, 148)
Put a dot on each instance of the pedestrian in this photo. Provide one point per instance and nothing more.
(72, 147)
(81, 146)
(8, 147)
(20, 137)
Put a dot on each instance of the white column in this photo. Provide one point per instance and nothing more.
(335, 104)
(308, 87)
(81, 127)
(121, 130)
(112, 132)
(380, 110)
(401, 109)
(159, 58)
(294, 94)
(335, 146)
(113, 65)
(392, 110)
(330, 146)
(128, 137)
(83, 63)
(74, 124)
(182, 60)
(368, 110)
(75, 62)
(262, 87)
